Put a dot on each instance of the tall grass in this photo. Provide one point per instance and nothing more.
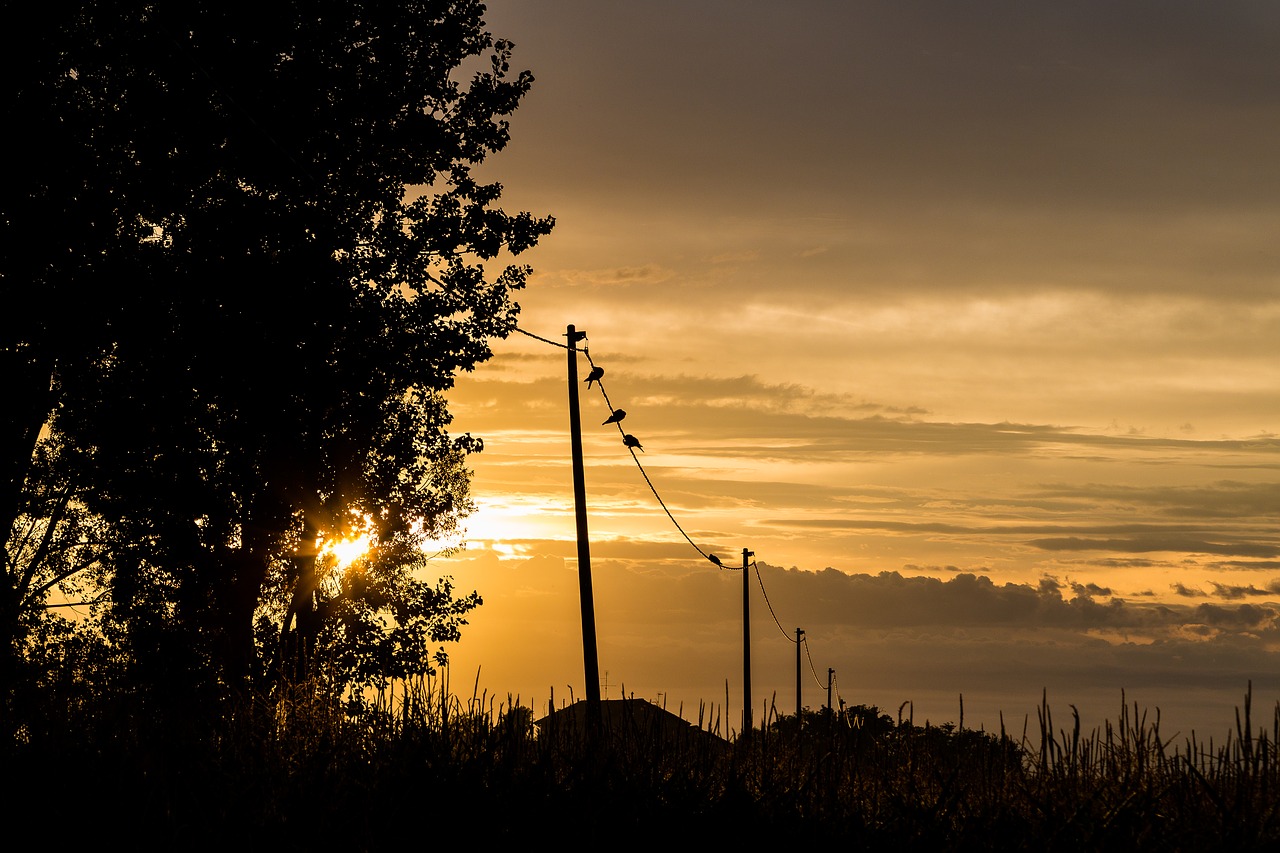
(416, 762)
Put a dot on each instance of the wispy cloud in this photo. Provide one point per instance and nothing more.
(1233, 592)
(1158, 543)
(646, 274)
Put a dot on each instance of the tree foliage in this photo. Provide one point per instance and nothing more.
(254, 254)
(55, 550)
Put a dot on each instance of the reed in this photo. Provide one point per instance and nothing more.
(306, 769)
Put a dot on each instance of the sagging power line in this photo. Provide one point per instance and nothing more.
(595, 377)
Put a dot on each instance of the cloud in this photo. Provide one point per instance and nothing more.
(970, 148)
(1234, 592)
(1245, 616)
(743, 416)
(890, 599)
(783, 461)
(1247, 565)
(1220, 499)
(675, 629)
(1089, 590)
(634, 588)
(647, 274)
(1157, 543)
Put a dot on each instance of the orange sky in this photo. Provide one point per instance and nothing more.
(963, 317)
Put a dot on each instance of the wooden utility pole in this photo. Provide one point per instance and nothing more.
(746, 644)
(590, 660)
(799, 634)
(831, 675)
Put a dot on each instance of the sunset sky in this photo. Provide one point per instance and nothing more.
(964, 317)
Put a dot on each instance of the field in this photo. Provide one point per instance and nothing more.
(418, 766)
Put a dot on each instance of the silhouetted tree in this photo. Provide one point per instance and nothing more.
(54, 550)
(255, 254)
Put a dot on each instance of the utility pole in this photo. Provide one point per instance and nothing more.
(746, 644)
(831, 676)
(590, 660)
(799, 634)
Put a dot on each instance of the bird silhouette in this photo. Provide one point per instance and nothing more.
(713, 558)
(631, 441)
(594, 375)
(616, 417)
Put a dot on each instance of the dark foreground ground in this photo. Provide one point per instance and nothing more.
(298, 782)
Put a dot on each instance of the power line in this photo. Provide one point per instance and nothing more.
(816, 679)
(598, 381)
(673, 518)
(618, 423)
(540, 338)
(770, 603)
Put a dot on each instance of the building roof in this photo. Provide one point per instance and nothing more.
(629, 719)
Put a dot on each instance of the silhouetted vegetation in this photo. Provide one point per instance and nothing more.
(415, 760)
(243, 256)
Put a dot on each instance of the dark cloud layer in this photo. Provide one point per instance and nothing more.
(1168, 543)
(785, 421)
(1000, 141)
(890, 599)
(891, 637)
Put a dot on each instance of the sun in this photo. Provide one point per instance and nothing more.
(347, 551)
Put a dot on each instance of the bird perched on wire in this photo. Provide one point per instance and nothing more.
(713, 558)
(594, 375)
(631, 441)
(616, 417)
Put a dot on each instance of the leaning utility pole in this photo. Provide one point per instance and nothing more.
(799, 634)
(746, 645)
(590, 660)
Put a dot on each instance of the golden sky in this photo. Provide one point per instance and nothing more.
(964, 317)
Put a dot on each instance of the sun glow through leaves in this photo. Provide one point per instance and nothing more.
(346, 551)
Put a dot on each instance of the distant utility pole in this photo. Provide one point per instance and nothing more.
(746, 644)
(799, 634)
(590, 659)
(831, 676)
